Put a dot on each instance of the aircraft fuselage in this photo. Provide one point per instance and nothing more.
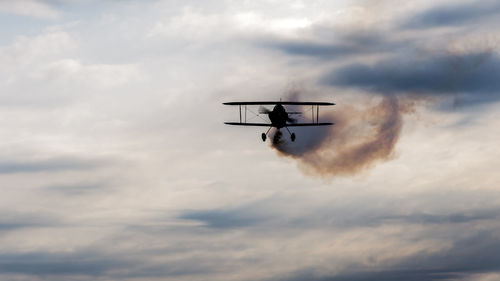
(278, 116)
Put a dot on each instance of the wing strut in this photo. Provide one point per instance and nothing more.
(245, 113)
(317, 114)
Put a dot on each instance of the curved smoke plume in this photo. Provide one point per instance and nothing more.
(359, 138)
(365, 135)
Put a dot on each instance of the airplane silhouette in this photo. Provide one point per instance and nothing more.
(279, 117)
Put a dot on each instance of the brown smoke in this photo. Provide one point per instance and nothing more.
(360, 138)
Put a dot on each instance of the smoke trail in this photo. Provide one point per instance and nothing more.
(360, 138)
(367, 134)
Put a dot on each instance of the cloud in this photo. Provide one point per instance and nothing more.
(178, 162)
(26, 50)
(431, 243)
(453, 15)
(100, 75)
(59, 263)
(343, 44)
(30, 8)
(48, 165)
(13, 221)
(224, 219)
(478, 253)
(92, 263)
(75, 189)
(387, 59)
(376, 218)
(275, 212)
(472, 74)
(279, 25)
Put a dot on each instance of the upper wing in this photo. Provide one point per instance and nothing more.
(309, 124)
(249, 124)
(276, 102)
(271, 125)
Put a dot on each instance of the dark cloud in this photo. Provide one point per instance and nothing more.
(374, 218)
(423, 218)
(477, 253)
(93, 264)
(313, 49)
(224, 219)
(90, 263)
(453, 15)
(367, 275)
(269, 212)
(406, 67)
(338, 44)
(45, 263)
(474, 74)
(11, 220)
(48, 165)
(76, 189)
(176, 268)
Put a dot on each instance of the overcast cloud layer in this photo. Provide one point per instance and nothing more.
(115, 163)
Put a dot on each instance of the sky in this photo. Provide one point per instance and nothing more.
(115, 163)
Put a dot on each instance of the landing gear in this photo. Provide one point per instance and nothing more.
(292, 135)
(264, 135)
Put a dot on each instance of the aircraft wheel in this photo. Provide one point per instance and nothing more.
(263, 137)
(293, 136)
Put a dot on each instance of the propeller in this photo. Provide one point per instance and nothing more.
(263, 110)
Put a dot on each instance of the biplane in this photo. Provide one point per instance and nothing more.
(279, 116)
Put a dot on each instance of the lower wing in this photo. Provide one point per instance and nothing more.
(271, 125)
(309, 124)
(249, 124)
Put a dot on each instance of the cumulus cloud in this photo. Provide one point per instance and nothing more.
(191, 199)
(453, 15)
(25, 50)
(466, 257)
(100, 75)
(338, 44)
(438, 243)
(387, 60)
(56, 264)
(343, 216)
(11, 221)
(384, 61)
(223, 218)
(75, 189)
(47, 165)
(30, 8)
(472, 74)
